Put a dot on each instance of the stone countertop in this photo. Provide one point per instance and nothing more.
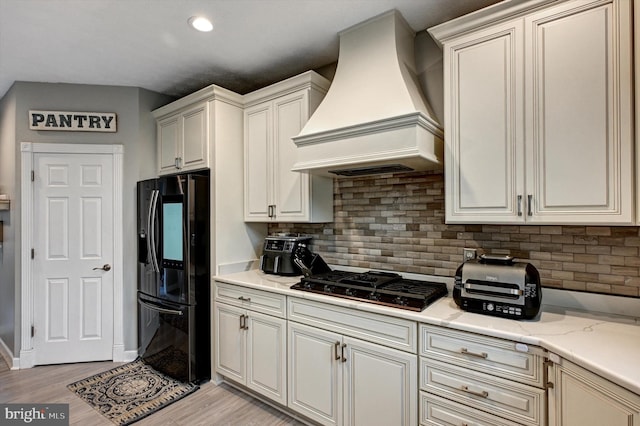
(603, 342)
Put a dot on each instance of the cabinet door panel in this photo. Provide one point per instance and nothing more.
(315, 375)
(580, 398)
(257, 153)
(266, 356)
(291, 188)
(484, 141)
(579, 152)
(195, 146)
(380, 385)
(229, 342)
(168, 131)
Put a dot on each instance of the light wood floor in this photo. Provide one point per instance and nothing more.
(210, 405)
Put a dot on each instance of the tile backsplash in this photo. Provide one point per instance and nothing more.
(396, 222)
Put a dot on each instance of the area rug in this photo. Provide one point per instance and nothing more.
(170, 361)
(130, 392)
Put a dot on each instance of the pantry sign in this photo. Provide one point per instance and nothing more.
(72, 121)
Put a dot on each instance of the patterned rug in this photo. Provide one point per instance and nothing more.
(130, 392)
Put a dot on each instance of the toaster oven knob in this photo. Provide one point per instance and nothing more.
(490, 307)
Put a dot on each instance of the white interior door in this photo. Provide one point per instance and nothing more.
(72, 257)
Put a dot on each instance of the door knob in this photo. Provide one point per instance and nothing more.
(105, 267)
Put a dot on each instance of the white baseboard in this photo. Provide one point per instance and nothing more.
(27, 359)
(128, 356)
(5, 353)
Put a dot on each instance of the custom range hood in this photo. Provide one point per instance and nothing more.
(374, 118)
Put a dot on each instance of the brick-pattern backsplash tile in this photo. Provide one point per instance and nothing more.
(396, 222)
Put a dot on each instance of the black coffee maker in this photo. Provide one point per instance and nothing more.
(277, 257)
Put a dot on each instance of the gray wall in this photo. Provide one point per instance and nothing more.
(8, 283)
(136, 132)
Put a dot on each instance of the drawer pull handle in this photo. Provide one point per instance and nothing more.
(482, 355)
(482, 394)
(336, 346)
(244, 299)
(344, 358)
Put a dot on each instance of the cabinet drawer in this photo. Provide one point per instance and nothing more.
(442, 412)
(487, 354)
(249, 298)
(389, 331)
(522, 403)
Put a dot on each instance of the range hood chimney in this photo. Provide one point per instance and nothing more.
(374, 118)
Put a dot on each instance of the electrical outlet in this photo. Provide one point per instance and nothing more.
(469, 254)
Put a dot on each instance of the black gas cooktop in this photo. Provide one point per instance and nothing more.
(382, 288)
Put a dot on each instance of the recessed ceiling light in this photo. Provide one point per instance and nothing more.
(201, 23)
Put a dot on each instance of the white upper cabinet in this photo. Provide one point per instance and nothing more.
(274, 193)
(188, 128)
(538, 114)
(182, 140)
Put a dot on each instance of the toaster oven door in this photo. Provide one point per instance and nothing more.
(493, 291)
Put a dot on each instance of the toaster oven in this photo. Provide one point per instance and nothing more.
(498, 286)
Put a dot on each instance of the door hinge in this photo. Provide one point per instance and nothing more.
(33, 176)
(33, 253)
(33, 331)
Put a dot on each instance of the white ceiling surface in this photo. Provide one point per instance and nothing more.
(147, 43)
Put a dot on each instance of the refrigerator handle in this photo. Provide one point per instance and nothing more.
(151, 241)
(158, 308)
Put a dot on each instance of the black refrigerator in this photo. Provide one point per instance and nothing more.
(174, 332)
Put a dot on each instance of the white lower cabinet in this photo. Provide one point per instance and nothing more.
(250, 348)
(336, 379)
(471, 379)
(581, 398)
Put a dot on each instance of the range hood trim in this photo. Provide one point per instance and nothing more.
(379, 158)
(405, 120)
(425, 152)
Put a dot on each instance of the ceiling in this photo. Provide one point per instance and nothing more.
(147, 43)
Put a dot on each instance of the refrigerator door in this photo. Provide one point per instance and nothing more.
(169, 337)
(183, 259)
(148, 233)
